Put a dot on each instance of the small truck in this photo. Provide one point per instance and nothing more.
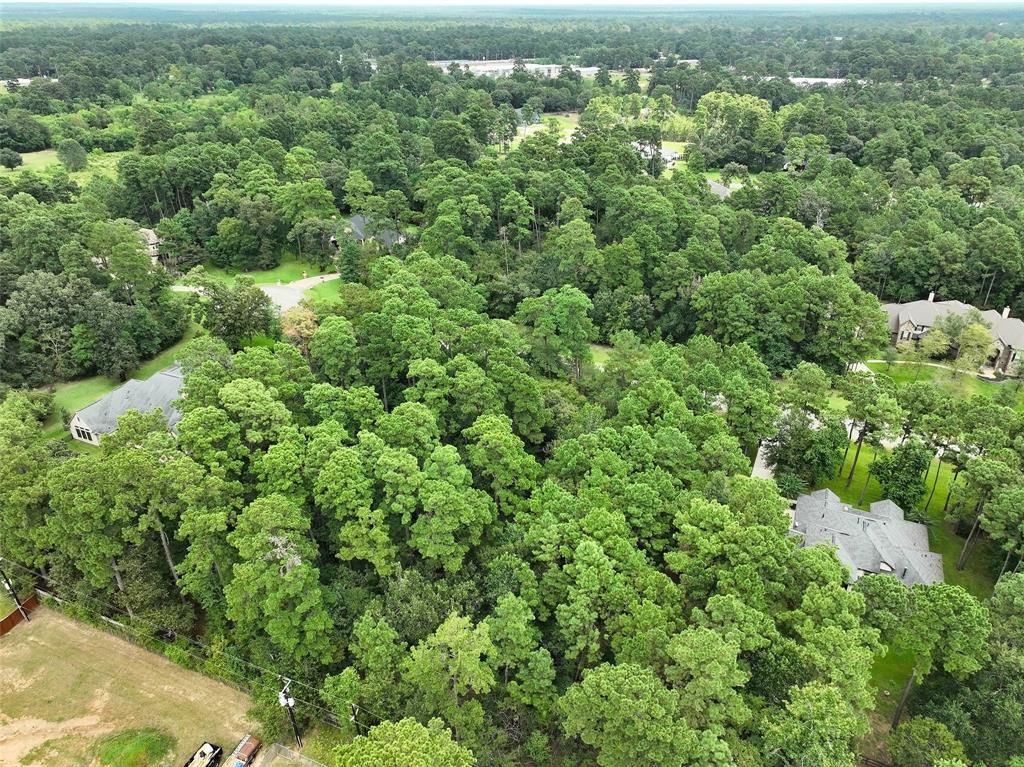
(244, 752)
(207, 755)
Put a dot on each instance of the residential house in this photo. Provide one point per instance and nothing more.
(910, 321)
(720, 190)
(159, 391)
(152, 244)
(360, 227)
(879, 541)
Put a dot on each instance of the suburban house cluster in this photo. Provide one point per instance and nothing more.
(910, 321)
(868, 543)
(159, 391)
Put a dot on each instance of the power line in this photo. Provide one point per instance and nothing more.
(157, 628)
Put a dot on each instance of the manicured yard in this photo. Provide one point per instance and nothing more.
(978, 576)
(289, 270)
(74, 395)
(323, 291)
(890, 672)
(963, 385)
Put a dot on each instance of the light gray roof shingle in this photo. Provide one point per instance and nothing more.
(1008, 330)
(868, 542)
(158, 391)
(720, 190)
(358, 225)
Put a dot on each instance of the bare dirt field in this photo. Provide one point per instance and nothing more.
(64, 685)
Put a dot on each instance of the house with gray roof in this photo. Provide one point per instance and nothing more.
(910, 321)
(158, 391)
(363, 228)
(867, 542)
(720, 190)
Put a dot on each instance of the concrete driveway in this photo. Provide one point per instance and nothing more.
(289, 294)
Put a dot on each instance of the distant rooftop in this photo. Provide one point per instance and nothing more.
(879, 541)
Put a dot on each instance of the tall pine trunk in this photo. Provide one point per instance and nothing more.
(949, 492)
(903, 699)
(856, 457)
(967, 544)
(935, 484)
(120, 586)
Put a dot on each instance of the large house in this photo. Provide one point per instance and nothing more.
(879, 541)
(910, 321)
(159, 391)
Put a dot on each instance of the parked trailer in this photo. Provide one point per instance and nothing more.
(207, 755)
(244, 752)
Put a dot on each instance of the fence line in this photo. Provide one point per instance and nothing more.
(16, 617)
(283, 751)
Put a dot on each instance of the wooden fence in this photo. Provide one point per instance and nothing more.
(15, 617)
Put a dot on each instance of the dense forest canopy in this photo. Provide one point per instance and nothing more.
(486, 495)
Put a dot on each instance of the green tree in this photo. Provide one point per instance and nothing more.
(923, 742)
(448, 671)
(405, 743)
(72, 155)
(946, 626)
(816, 727)
(333, 348)
(629, 718)
(558, 329)
(276, 584)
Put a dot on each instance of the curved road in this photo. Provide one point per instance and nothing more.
(287, 295)
(283, 295)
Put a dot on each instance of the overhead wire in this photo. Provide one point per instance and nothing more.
(328, 714)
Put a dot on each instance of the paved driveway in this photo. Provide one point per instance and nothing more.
(287, 295)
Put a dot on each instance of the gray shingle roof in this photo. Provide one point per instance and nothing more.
(720, 190)
(1008, 330)
(868, 542)
(358, 224)
(158, 391)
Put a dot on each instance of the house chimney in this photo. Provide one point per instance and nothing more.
(1006, 312)
(931, 296)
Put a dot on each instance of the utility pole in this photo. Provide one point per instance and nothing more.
(289, 703)
(14, 594)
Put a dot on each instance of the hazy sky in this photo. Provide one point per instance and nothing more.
(701, 4)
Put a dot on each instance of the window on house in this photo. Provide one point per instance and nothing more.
(83, 434)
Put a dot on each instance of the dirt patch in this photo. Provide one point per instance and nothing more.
(65, 684)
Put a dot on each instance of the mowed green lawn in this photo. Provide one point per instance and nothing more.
(40, 162)
(289, 270)
(74, 395)
(323, 291)
(963, 385)
(890, 672)
(978, 577)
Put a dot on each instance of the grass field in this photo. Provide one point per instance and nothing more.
(74, 395)
(40, 162)
(134, 748)
(289, 270)
(600, 354)
(963, 385)
(323, 291)
(74, 695)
